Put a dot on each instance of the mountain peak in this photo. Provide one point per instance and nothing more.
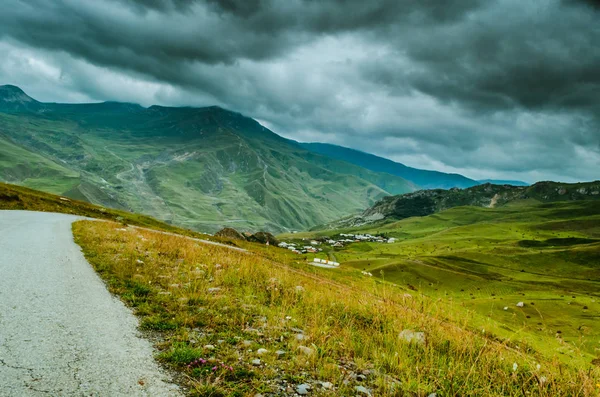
(11, 90)
(14, 99)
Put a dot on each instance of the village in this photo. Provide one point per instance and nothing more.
(335, 242)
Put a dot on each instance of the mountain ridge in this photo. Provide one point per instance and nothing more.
(428, 202)
(425, 178)
(202, 168)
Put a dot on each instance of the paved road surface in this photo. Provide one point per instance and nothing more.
(61, 332)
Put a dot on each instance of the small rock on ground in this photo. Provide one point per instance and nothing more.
(307, 351)
(327, 385)
(362, 390)
(412, 336)
(303, 389)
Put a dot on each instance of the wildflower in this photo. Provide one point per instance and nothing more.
(515, 367)
(538, 367)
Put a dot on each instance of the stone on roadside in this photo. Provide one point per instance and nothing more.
(327, 385)
(280, 353)
(362, 390)
(412, 336)
(307, 351)
(303, 389)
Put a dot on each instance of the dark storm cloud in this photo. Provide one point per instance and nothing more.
(115, 32)
(503, 87)
(590, 3)
(545, 57)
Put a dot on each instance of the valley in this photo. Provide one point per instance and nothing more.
(487, 260)
(496, 288)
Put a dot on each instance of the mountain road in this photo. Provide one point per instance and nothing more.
(61, 332)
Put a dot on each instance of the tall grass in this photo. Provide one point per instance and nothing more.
(213, 308)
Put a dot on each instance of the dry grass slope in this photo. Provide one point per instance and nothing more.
(214, 309)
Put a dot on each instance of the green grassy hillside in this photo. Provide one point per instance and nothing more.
(545, 255)
(13, 197)
(198, 168)
(427, 202)
(18, 165)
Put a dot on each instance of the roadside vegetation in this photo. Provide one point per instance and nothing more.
(235, 323)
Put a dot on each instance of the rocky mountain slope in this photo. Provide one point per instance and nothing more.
(427, 202)
(201, 168)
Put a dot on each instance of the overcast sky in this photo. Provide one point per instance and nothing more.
(487, 88)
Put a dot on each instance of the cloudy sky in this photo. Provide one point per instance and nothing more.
(486, 88)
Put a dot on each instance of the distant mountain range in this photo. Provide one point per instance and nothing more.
(502, 182)
(201, 168)
(424, 178)
(428, 202)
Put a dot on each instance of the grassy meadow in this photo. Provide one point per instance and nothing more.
(234, 323)
(485, 260)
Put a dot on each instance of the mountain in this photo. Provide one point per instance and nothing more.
(13, 99)
(201, 168)
(502, 182)
(425, 179)
(427, 202)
